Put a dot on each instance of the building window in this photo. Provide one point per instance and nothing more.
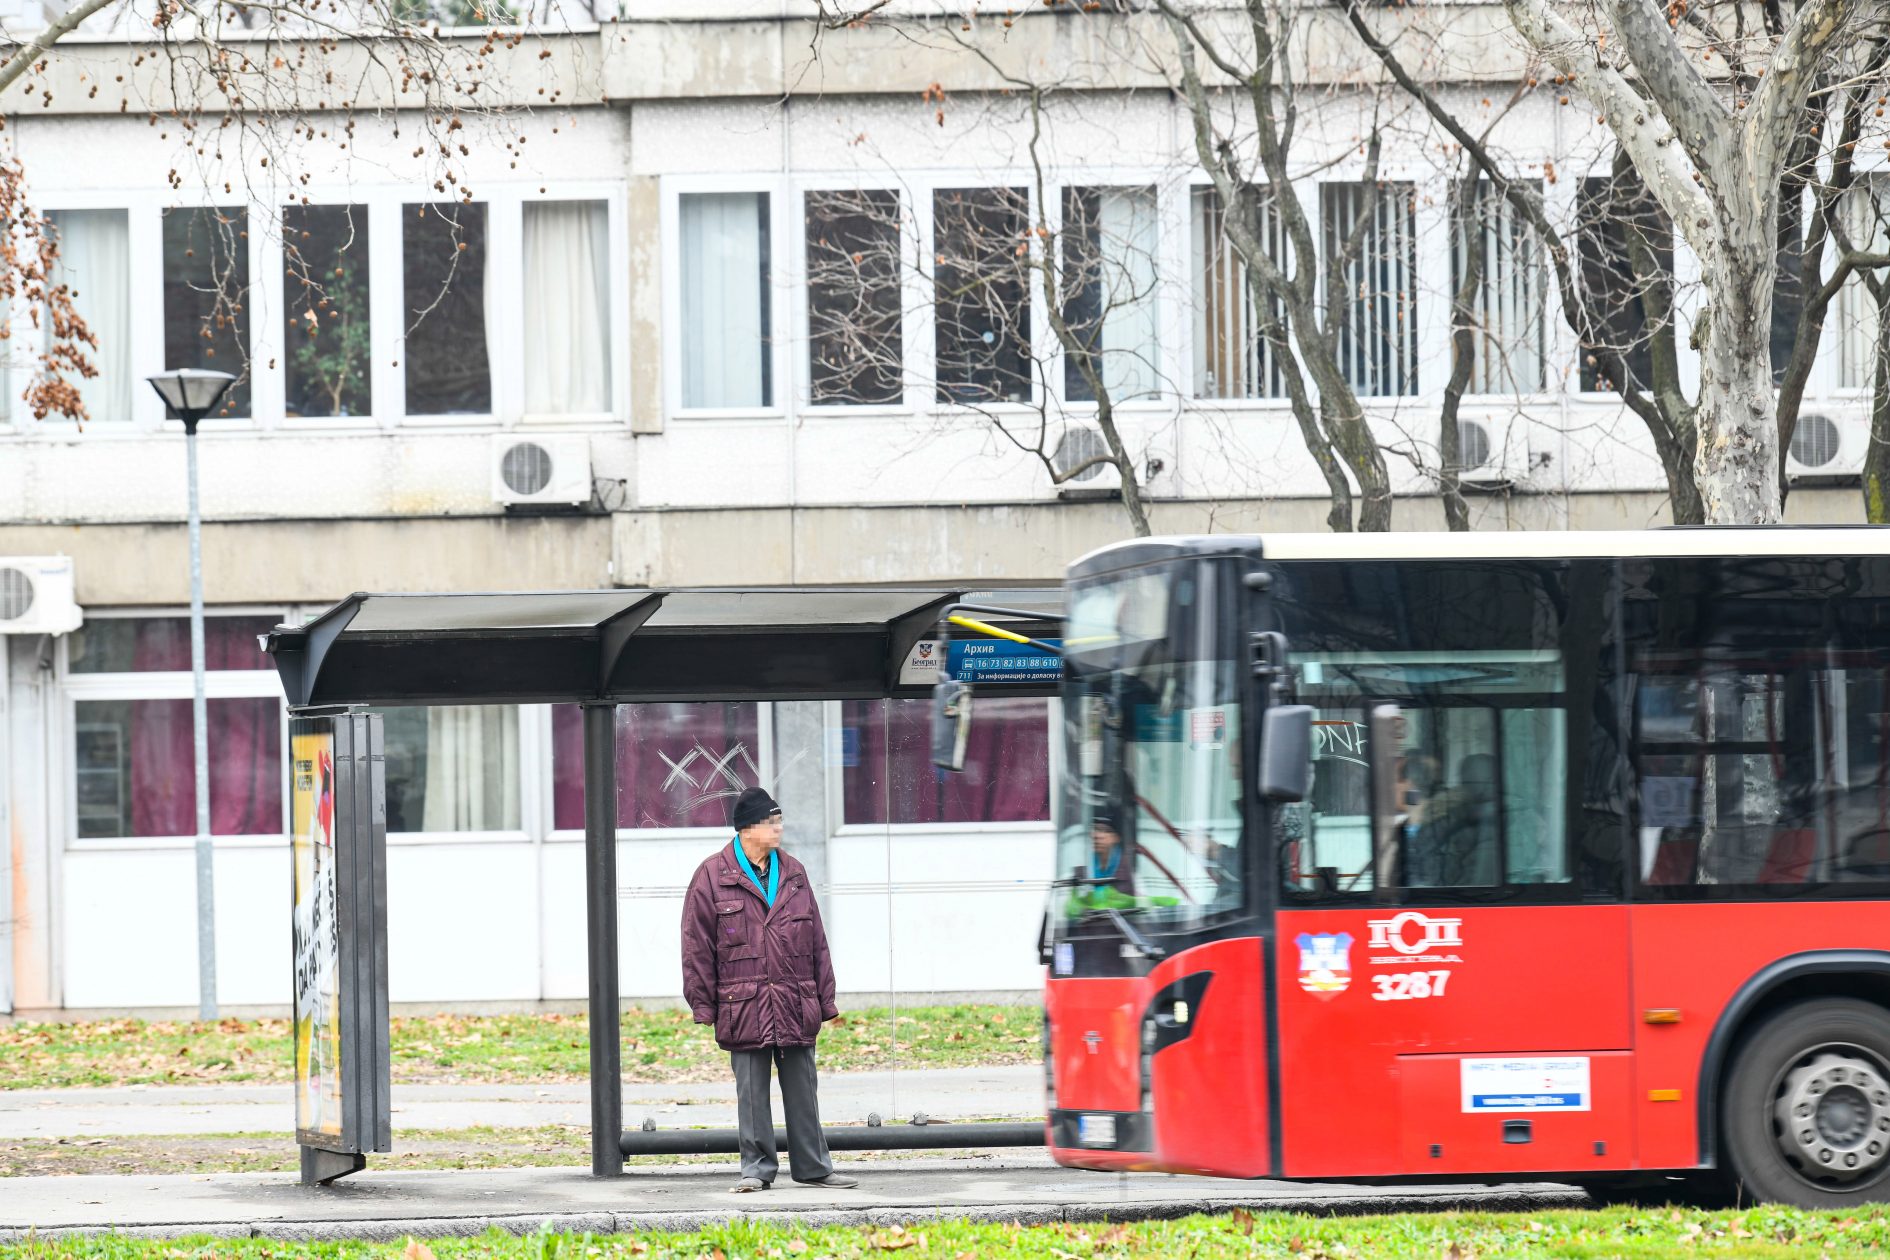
(567, 308)
(1110, 237)
(95, 265)
(1371, 278)
(888, 776)
(727, 307)
(444, 260)
(678, 765)
(452, 768)
(1232, 356)
(855, 346)
(142, 645)
(1626, 248)
(134, 763)
(133, 742)
(206, 296)
(982, 284)
(325, 311)
(1865, 223)
(1495, 245)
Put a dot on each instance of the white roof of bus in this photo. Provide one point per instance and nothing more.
(1580, 544)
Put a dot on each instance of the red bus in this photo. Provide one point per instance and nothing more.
(1587, 881)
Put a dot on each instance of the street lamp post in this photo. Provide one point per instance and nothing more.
(189, 395)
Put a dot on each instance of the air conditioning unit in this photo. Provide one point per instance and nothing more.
(1079, 445)
(541, 469)
(36, 596)
(1493, 449)
(1827, 446)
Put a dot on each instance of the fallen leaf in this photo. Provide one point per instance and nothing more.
(1244, 1219)
(417, 1250)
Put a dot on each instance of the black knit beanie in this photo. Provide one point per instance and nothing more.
(751, 807)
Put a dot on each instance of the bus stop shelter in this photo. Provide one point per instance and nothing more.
(595, 649)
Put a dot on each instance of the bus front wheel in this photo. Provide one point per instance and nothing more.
(1807, 1107)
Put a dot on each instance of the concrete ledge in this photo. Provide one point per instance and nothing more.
(1318, 1201)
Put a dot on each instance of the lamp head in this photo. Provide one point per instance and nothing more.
(190, 394)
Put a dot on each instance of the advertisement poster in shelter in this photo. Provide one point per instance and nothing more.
(318, 1066)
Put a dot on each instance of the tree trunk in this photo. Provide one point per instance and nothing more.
(1877, 455)
(1736, 463)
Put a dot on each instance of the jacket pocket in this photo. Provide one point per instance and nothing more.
(731, 926)
(797, 936)
(738, 1016)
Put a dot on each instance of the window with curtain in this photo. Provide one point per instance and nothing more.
(133, 761)
(981, 283)
(1371, 277)
(678, 765)
(143, 645)
(134, 767)
(1866, 217)
(1110, 238)
(567, 308)
(727, 307)
(95, 264)
(326, 327)
(452, 768)
(447, 351)
(1618, 222)
(855, 348)
(888, 777)
(1232, 356)
(1494, 246)
(206, 296)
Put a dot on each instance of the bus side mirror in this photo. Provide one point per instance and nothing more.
(1385, 745)
(951, 723)
(1286, 752)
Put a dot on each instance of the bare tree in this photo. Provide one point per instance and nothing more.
(1713, 154)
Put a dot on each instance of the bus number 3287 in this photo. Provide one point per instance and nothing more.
(1406, 985)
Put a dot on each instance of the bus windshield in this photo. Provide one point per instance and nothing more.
(1149, 818)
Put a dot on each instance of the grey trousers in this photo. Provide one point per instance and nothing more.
(808, 1159)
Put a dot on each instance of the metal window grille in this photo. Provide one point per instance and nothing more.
(1232, 356)
(1509, 300)
(1371, 252)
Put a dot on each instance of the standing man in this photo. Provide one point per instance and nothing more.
(755, 965)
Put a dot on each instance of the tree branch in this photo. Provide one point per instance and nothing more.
(1643, 132)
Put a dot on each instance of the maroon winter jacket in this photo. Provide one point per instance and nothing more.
(762, 976)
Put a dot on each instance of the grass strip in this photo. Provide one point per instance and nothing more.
(658, 1047)
(1564, 1235)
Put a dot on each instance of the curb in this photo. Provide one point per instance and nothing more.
(393, 1229)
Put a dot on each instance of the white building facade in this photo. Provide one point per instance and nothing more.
(606, 363)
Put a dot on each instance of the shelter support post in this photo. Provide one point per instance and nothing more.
(600, 902)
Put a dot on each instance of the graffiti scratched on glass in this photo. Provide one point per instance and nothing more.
(317, 942)
(1339, 739)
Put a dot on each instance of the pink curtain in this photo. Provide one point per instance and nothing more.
(163, 780)
(110, 645)
(678, 765)
(246, 767)
(889, 777)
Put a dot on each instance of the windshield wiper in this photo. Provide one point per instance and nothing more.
(1149, 948)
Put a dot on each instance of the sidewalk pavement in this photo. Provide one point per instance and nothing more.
(845, 1098)
(385, 1206)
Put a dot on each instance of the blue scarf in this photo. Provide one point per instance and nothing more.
(1115, 860)
(774, 874)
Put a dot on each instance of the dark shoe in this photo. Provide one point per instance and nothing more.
(748, 1185)
(835, 1181)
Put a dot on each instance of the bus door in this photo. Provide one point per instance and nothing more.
(1449, 1000)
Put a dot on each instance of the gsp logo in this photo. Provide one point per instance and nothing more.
(1413, 935)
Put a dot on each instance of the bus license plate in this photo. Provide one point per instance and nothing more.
(1096, 1130)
